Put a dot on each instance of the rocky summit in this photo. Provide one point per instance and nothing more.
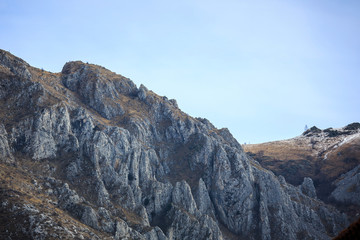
(86, 154)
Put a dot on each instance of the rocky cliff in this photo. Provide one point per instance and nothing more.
(330, 157)
(86, 154)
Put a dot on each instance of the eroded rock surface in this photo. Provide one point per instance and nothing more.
(125, 163)
(348, 188)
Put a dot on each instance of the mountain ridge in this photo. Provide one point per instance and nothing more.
(120, 162)
(326, 156)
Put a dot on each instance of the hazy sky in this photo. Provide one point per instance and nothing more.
(263, 69)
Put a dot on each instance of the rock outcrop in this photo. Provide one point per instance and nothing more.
(347, 189)
(307, 187)
(120, 162)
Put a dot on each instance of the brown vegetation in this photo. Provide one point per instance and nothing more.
(296, 160)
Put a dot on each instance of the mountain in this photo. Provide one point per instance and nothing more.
(331, 157)
(86, 154)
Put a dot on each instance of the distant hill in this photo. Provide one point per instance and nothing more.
(323, 155)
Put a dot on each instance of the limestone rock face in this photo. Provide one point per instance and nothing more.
(15, 65)
(128, 164)
(5, 152)
(203, 201)
(95, 89)
(307, 187)
(348, 187)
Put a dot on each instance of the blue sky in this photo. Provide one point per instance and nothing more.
(263, 69)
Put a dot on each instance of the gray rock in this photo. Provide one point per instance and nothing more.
(5, 152)
(348, 187)
(307, 187)
(89, 217)
(155, 234)
(124, 232)
(44, 134)
(174, 103)
(186, 226)
(97, 89)
(148, 170)
(106, 223)
(282, 180)
(142, 93)
(182, 197)
(16, 65)
(203, 200)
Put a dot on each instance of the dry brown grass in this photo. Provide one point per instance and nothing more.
(338, 161)
(342, 159)
(5, 71)
(280, 150)
(293, 161)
